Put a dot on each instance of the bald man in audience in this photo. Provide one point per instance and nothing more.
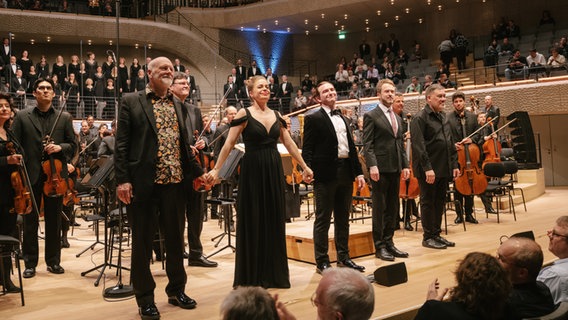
(556, 276)
(522, 259)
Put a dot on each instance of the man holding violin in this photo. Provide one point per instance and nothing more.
(32, 128)
(196, 199)
(461, 142)
(386, 158)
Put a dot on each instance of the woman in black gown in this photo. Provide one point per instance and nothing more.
(261, 258)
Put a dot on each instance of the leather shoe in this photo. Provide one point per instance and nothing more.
(29, 273)
(469, 218)
(11, 287)
(490, 210)
(396, 253)
(348, 263)
(182, 300)
(202, 262)
(458, 220)
(408, 226)
(65, 243)
(57, 269)
(433, 244)
(384, 254)
(445, 241)
(149, 312)
(322, 267)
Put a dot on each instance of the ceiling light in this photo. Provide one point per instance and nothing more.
(288, 29)
(378, 12)
(392, 2)
(323, 15)
(429, 2)
(264, 30)
(367, 29)
(336, 23)
(316, 27)
(396, 18)
(242, 28)
(420, 20)
(342, 27)
(136, 45)
(345, 16)
(149, 46)
(258, 27)
(386, 24)
(32, 41)
(306, 21)
(366, 21)
(307, 32)
(439, 7)
(407, 10)
(276, 22)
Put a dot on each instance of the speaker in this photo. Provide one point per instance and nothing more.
(391, 275)
(522, 140)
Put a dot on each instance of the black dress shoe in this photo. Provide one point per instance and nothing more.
(445, 241)
(384, 254)
(490, 210)
(433, 244)
(57, 269)
(182, 300)
(469, 218)
(11, 287)
(397, 253)
(458, 220)
(149, 312)
(408, 226)
(29, 273)
(202, 262)
(65, 243)
(75, 224)
(322, 267)
(348, 263)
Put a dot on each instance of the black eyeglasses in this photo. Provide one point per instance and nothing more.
(553, 233)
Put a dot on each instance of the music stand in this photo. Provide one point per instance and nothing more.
(226, 199)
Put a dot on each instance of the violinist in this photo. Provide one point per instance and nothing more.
(386, 159)
(8, 164)
(195, 203)
(491, 111)
(31, 126)
(454, 118)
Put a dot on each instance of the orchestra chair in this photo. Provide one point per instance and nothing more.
(511, 169)
(307, 195)
(497, 187)
(561, 313)
(10, 247)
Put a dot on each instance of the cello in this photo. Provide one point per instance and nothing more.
(471, 179)
(409, 188)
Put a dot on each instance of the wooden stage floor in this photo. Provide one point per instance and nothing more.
(70, 296)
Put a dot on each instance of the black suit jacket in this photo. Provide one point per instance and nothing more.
(194, 121)
(27, 130)
(470, 126)
(9, 72)
(383, 148)
(15, 85)
(241, 76)
(180, 68)
(251, 73)
(137, 144)
(320, 147)
(289, 88)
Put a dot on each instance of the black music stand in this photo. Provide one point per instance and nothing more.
(120, 290)
(226, 199)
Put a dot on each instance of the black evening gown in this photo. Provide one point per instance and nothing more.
(261, 258)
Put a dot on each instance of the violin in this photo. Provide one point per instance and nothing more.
(23, 195)
(296, 176)
(471, 180)
(491, 148)
(70, 196)
(54, 185)
(409, 188)
(198, 184)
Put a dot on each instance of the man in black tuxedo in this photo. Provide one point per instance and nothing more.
(385, 158)
(192, 85)
(10, 69)
(18, 86)
(253, 70)
(329, 150)
(285, 94)
(434, 164)
(241, 74)
(30, 128)
(195, 203)
(231, 90)
(178, 67)
(152, 163)
(364, 49)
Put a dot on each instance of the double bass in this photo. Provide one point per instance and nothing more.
(409, 188)
(471, 180)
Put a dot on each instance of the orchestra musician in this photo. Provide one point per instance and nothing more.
(150, 182)
(196, 199)
(385, 158)
(8, 163)
(434, 164)
(330, 151)
(31, 126)
(454, 118)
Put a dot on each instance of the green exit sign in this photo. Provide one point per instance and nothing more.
(341, 36)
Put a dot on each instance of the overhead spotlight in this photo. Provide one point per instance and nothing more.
(439, 7)
(345, 16)
(323, 15)
(89, 42)
(275, 22)
(407, 10)
(396, 18)
(316, 27)
(306, 21)
(386, 24)
(307, 32)
(13, 36)
(366, 21)
(378, 12)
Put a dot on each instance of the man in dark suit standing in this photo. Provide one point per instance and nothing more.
(231, 90)
(364, 49)
(241, 74)
(178, 67)
(434, 164)
(195, 203)
(329, 150)
(30, 128)
(192, 86)
(153, 159)
(254, 70)
(385, 158)
(18, 86)
(285, 94)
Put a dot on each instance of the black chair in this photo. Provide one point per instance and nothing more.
(511, 169)
(497, 187)
(561, 313)
(10, 247)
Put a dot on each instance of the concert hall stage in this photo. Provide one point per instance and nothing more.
(69, 295)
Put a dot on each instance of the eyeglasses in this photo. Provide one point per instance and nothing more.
(182, 83)
(45, 88)
(552, 234)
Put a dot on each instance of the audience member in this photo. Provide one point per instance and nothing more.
(536, 62)
(522, 259)
(517, 66)
(481, 292)
(507, 48)
(249, 303)
(446, 48)
(414, 86)
(556, 276)
(556, 61)
(491, 54)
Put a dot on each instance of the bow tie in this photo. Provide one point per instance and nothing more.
(335, 112)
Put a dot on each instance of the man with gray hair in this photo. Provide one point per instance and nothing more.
(556, 276)
(344, 293)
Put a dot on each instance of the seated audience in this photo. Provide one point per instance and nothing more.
(507, 48)
(481, 292)
(249, 303)
(556, 60)
(517, 66)
(522, 259)
(555, 277)
(536, 62)
(414, 85)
